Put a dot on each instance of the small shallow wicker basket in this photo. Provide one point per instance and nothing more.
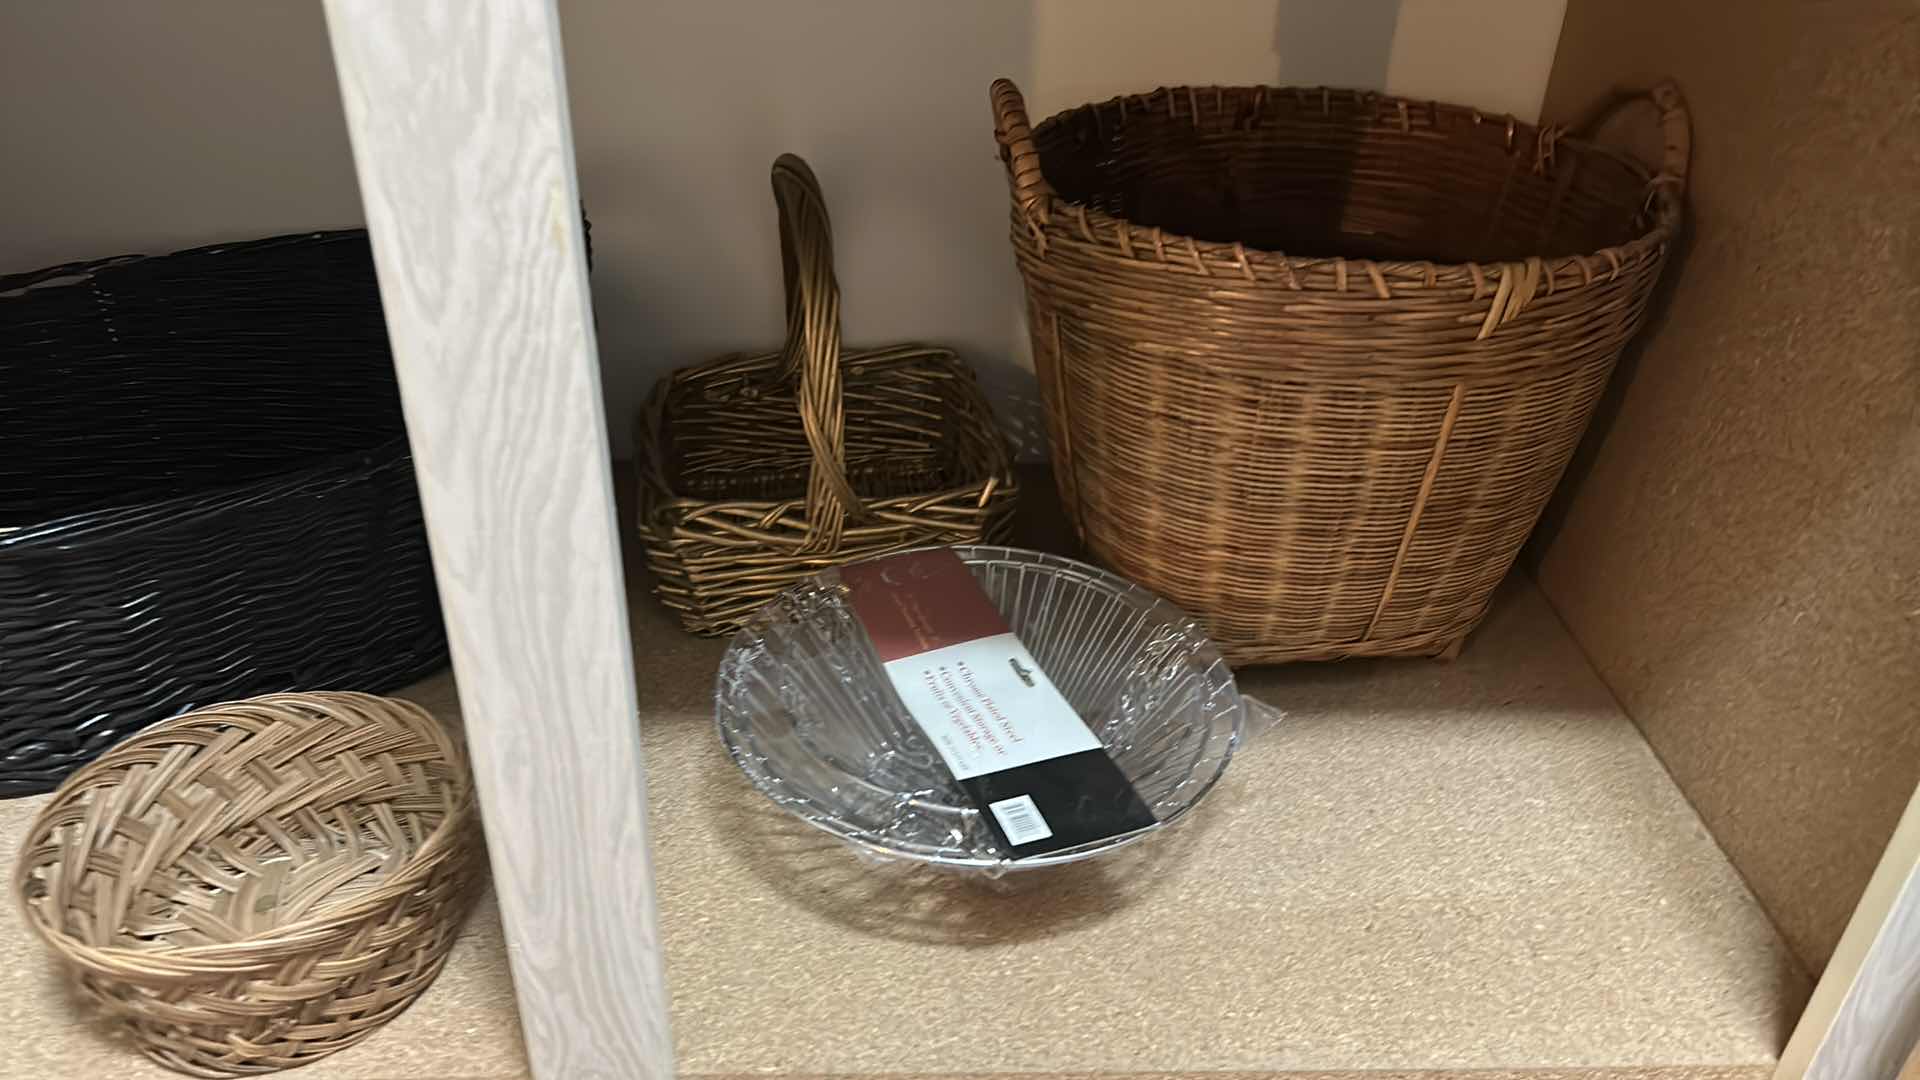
(758, 471)
(258, 884)
(1314, 360)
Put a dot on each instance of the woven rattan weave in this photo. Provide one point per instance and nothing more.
(758, 471)
(1313, 360)
(255, 885)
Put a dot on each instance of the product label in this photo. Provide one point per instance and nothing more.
(1009, 736)
(987, 706)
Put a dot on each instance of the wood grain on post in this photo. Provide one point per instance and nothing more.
(458, 114)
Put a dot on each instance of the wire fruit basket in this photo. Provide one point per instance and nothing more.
(806, 711)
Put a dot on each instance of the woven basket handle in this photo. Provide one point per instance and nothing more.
(812, 351)
(1676, 128)
(1031, 192)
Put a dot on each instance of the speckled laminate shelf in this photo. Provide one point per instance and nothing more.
(1429, 867)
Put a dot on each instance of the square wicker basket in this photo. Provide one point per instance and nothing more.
(757, 471)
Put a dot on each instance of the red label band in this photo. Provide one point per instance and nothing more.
(919, 601)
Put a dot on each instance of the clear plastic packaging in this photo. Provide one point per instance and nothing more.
(808, 713)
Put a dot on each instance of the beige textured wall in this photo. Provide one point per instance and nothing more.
(153, 126)
(1741, 556)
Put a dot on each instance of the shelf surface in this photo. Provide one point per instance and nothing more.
(1425, 867)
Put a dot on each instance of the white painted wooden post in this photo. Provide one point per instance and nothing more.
(1864, 1019)
(458, 113)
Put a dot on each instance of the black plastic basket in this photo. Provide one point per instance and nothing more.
(205, 494)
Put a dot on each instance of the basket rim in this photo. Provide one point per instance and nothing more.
(834, 822)
(264, 950)
(78, 270)
(1091, 225)
(111, 521)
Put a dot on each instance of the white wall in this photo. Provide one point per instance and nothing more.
(1491, 54)
(1090, 50)
(150, 127)
(677, 122)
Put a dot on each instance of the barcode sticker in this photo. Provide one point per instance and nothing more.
(1020, 819)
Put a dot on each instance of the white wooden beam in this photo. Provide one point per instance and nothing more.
(458, 113)
(1864, 1018)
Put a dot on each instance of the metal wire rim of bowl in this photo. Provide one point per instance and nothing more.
(737, 730)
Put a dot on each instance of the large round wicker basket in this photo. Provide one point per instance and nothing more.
(255, 885)
(1314, 360)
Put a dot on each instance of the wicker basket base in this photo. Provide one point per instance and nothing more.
(386, 984)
